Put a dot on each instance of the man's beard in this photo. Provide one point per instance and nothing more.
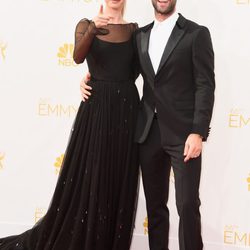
(169, 10)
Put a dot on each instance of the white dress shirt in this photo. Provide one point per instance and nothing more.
(159, 36)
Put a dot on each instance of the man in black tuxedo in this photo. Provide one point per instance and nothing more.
(177, 64)
(176, 60)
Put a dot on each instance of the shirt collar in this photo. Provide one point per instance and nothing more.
(170, 21)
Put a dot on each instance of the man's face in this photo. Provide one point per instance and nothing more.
(164, 7)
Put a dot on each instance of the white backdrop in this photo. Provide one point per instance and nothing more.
(39, 96)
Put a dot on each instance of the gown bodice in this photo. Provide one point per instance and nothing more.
(111, 53)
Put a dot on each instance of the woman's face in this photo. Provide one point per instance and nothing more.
(115, 4)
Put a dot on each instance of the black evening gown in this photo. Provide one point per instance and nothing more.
(94, 202)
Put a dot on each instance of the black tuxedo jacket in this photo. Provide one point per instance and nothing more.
(182, 90)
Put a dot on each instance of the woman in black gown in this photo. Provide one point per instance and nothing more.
(93, 206)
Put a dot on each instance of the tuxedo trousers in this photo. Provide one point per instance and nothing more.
(156, 162)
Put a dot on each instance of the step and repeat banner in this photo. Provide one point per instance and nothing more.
(39, 98)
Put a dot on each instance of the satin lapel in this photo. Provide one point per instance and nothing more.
(145, 58)
(173, 40)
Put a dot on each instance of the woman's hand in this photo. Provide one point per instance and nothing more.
(101, 19)
(85, 88)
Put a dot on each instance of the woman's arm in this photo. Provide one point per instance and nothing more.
(84, 35)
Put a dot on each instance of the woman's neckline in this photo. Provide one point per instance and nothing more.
(118, 23)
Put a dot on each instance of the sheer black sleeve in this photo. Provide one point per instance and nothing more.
(136, 65)
(84, 35)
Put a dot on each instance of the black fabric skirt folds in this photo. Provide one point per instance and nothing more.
(93, 206)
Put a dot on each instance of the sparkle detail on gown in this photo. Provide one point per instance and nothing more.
(94, 202)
